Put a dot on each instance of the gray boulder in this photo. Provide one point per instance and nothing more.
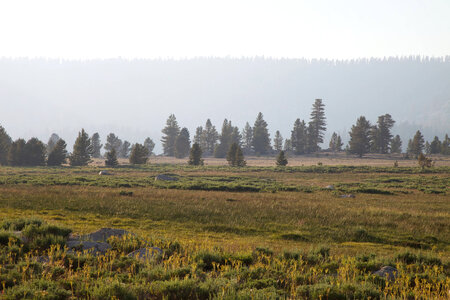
(104, 234)
(104, 172)
(347, 196)
(387, 271)
(165, 177)
(95, 248)
(145, 253)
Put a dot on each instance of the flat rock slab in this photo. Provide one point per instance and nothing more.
(89, 246)
(145, 253)
(104, 234)
(105, 173)
(165, 177)
(347, 196)
(388, 271)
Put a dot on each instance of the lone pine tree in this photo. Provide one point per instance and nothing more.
(281, 160)
(195, 155)
(359, 137)
(261, 138)
(317, 125)
(171, 132)
(82, 149)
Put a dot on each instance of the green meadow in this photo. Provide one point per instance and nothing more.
(228, 233)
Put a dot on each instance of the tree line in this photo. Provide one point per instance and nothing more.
(231, 143)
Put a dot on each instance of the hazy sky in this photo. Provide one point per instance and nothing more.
(181, 29)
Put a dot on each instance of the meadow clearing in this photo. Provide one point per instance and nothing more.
(258, 232)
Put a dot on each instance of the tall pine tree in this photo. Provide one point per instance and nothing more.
(225, 140)
(317, 125)
(171, 132)
(247, 138)
(418, 144)
(359, 137)
(278, 141)
(261, 138)
(82, 149)
(299, 137)
(182, 144)
(5, 144)
(96, 145)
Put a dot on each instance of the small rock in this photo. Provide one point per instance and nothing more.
(388, 271)
(104, 172)
(165, 177)
(145, 253)
(330, 187)
(104, 234)
(92, 247)
(347, 196)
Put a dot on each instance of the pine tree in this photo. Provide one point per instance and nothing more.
(171, 132)
(239, 158)
(409, 149)
(418, 143)
(435, 146)
(261, 138)
(281, 159)
(96, 145)
(195, 155)
(35, 152)
(385, 124)
(54, 138)
(299, 137)
(335, 142)
(58, 155)
(182, 144)
(359, 137)
(278, 141)
(150, 145)
(396, 144)
(82, 150)
(139, 154)
(236, 136)
(445, 146)
(210, 137)
(5, 144)
(317, 125)
(125, 149)
(111, 158)
(17, 153)
(374, 138)
(113, 142)
(235, 157)
(287, 145)
(199, 138)
(224, 140)
(247, 138)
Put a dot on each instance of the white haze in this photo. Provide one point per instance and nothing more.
(134, 98)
